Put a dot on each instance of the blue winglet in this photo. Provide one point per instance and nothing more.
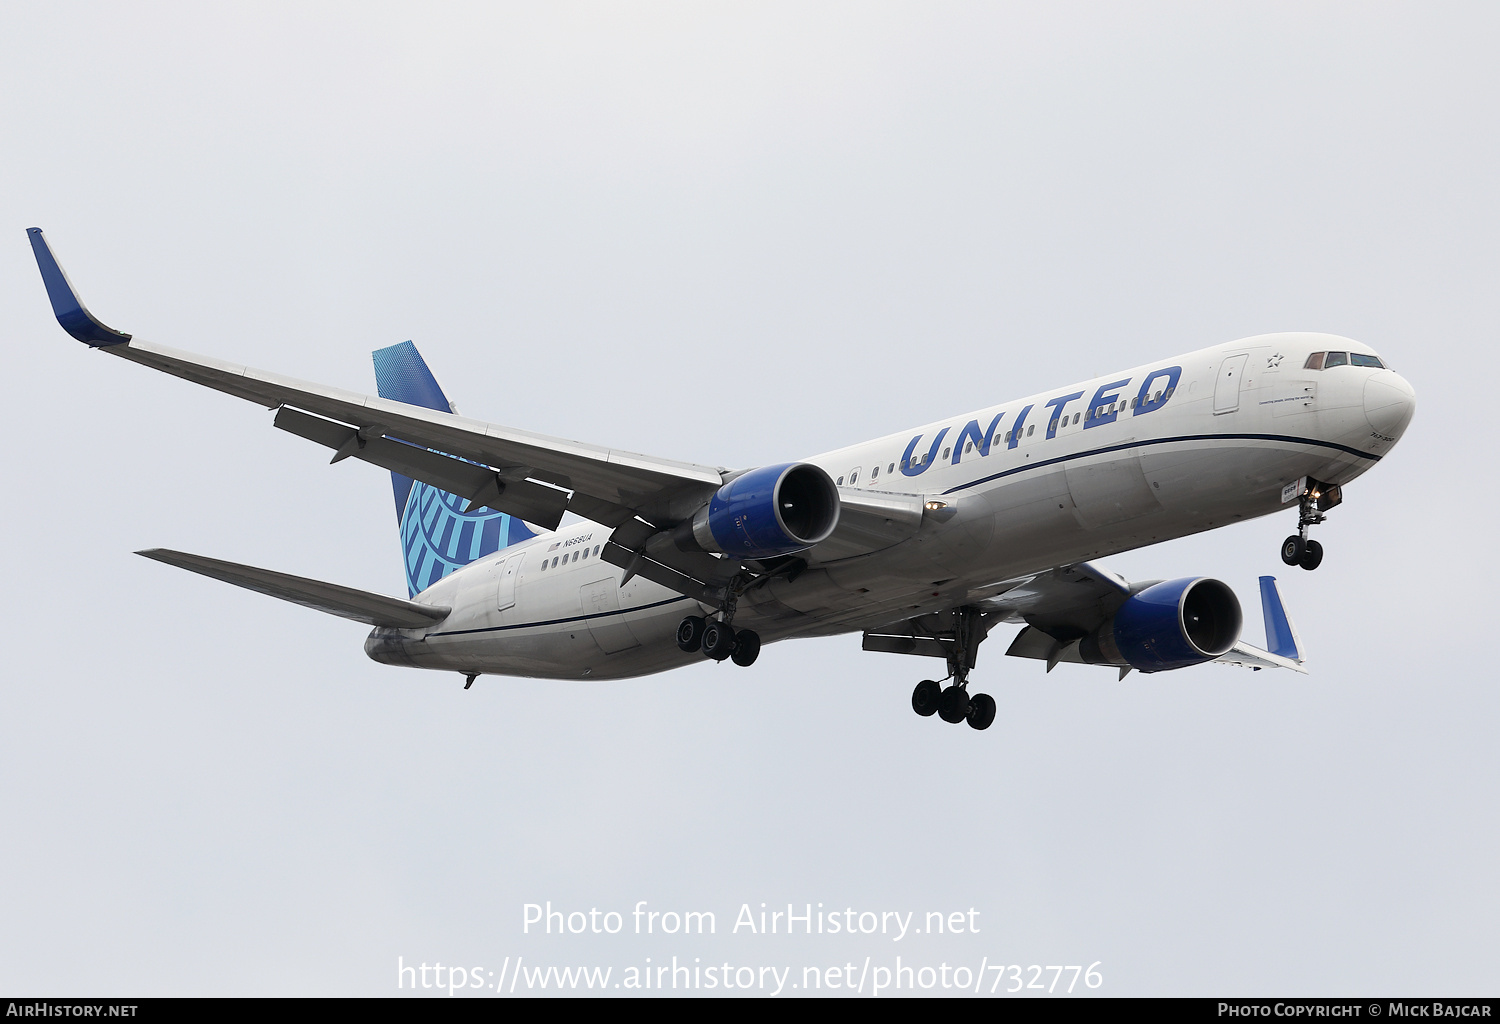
(1281, 635)
(70, 311)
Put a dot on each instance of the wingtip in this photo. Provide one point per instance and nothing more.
(1281, 635)
(69, 309)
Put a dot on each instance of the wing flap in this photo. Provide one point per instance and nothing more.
(536, 503)
(346, 602)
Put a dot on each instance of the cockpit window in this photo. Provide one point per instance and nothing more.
(1358, 359)
(1314, 361)
(1336, 359)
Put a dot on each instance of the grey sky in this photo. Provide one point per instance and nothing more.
(731, 234)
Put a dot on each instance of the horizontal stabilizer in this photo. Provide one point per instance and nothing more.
(359, 605)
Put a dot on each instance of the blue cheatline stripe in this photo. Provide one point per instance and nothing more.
(1279, 637)
(556, 622)
(1164, 440)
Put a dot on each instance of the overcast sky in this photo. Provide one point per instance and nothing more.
(731, 234)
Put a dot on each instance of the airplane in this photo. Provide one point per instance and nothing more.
(923, 540)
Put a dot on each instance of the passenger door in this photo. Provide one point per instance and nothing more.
(1227, 388)
(505, 594)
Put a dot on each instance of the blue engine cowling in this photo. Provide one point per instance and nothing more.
(766, 512)
(1168, 625)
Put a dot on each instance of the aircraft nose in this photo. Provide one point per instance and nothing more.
(1389, 403)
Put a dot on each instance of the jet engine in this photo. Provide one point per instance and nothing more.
(1168, 625)
(765, 512)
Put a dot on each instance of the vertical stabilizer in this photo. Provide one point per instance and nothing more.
(437, 535)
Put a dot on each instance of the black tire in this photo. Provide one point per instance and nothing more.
(981, 711)
(953, 705)
(1312, 557)
(924, 699)
(690, 634)
(1292, 550)
(746, 648)
(718, 641)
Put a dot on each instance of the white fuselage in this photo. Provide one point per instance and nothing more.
(1163, 450)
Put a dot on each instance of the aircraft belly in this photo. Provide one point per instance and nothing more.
(1110, 490)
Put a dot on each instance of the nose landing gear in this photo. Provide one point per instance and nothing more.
(1315, 499)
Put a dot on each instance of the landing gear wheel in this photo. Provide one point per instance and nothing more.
(746, 647)
(718, 641)
(1292, 550)
(690, 633)
(924, 699)
(981, 711)
(953, 705)
(1312, 557)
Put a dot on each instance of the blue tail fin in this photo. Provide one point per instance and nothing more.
(437, 536)
(1281, 635)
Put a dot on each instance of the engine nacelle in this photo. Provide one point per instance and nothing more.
(766, 512)
(1168, 625)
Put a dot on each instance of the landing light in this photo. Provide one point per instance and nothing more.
(933, 506)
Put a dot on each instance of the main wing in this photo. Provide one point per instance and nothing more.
(1066, 604)
(529, 475)
(1063, 607)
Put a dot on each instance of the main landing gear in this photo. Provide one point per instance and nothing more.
(1313, 502)
(954, 704)
(718, 640)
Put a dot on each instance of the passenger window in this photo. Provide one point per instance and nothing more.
(1314, 361)
(1168, 393)
(875, 473)
(891, 468)
(1336, 359)
(853, 477)
(1007, 436)
(840, 481)
(968, 447)
(1076, 415)
(1052, 427)
(544, 566)
(1361, 360)
(1031, 430)
(596, 551)
(947, 452)
(1156, 398)
(575, 556)
(554, 563)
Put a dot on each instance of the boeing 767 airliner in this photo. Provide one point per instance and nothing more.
(923, 540)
